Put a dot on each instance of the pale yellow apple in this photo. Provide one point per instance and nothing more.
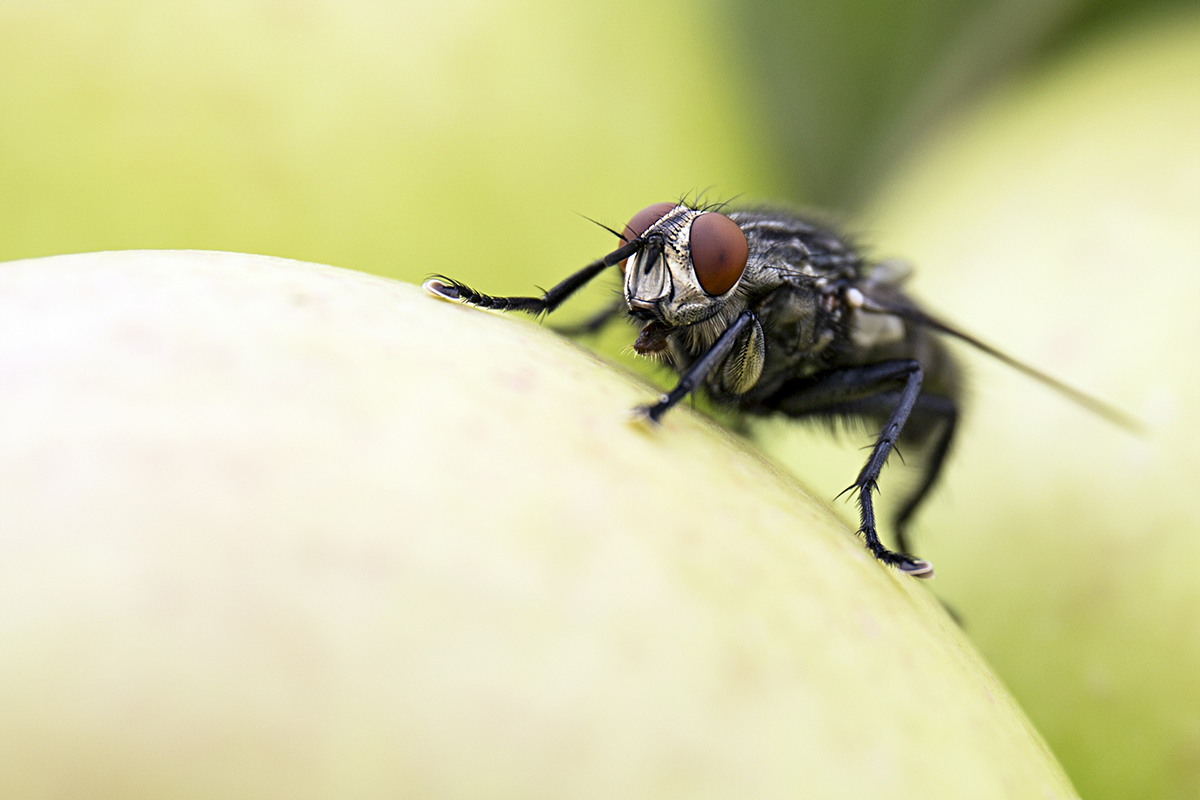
(272, 529)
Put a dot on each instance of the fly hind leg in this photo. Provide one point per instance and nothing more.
(943, 413)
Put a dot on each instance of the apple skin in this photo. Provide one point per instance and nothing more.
(270, 528)
(1061, 221)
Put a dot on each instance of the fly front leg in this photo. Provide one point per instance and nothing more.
(840, 393)
(694, 375)
(450, 289)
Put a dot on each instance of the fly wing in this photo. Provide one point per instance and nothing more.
(896, 304)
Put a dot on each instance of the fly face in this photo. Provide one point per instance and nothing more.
(688, 262)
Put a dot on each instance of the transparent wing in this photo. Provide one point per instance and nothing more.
(900, 306)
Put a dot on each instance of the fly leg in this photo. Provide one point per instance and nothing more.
(946, 410)
(594, 323)
(867, 482)
(851, 391)
(703, 365)
(449, 289)
(932, 415)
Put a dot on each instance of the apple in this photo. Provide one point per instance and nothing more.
(275, 529)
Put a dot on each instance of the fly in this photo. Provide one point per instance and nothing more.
(772, 313)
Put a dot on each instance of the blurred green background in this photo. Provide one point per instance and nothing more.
(406, 137)
(469, 137)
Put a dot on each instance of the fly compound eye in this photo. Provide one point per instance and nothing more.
(643, 220)
(719, 252)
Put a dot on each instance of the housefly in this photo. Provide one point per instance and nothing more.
(770, 312)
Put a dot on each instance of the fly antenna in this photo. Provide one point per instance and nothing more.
(602, 225)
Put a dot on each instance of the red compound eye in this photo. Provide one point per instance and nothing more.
(643, 220)
(719, 252)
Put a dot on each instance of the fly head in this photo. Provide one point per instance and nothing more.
(686, 267)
